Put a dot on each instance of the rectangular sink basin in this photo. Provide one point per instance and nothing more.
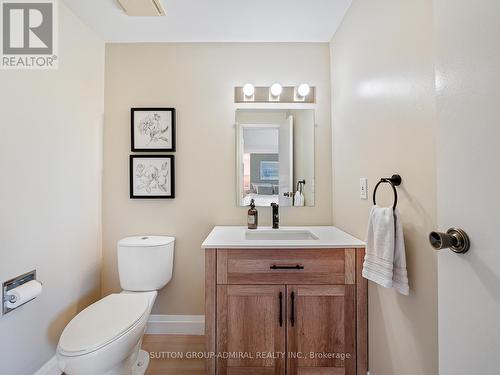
(280, 235)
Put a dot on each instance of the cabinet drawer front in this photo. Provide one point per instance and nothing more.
(309, 266)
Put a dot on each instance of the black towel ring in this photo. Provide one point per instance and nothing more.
(394, 181)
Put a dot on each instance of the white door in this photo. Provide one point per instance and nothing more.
(468, 181)
(286, 163)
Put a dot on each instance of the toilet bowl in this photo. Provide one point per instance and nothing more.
(105, 338)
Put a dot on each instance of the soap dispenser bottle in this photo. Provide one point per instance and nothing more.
(253, 216)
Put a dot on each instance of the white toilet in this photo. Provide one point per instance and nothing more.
(106, 337)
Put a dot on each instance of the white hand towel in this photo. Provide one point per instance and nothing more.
(385, 259)
(380, 242)
(298, 200)
(400, 275)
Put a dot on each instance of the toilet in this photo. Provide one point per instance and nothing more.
(106, 337)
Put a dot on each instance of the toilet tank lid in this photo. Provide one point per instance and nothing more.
(146, 241)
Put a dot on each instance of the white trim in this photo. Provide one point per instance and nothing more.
(176, 325)
(49, 368)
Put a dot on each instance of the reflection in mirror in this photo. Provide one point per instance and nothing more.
(275, 157)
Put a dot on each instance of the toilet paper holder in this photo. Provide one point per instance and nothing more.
(14, 283)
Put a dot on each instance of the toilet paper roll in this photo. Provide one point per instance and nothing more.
(23, 293)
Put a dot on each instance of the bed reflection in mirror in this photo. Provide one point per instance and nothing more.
(275, 156)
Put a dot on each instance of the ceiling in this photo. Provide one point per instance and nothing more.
(217, 20)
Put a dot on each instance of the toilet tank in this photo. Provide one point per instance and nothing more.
(145, 263)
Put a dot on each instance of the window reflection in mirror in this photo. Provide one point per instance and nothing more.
(275, 157)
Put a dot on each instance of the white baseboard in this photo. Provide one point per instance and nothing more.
(49, 368)
(176, 325)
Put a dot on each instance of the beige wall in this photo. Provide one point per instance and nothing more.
(50, 158)
(384, 122)
(198, 80)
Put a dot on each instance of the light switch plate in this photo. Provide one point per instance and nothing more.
(363, 188)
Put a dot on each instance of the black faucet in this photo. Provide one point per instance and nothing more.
(276, 215)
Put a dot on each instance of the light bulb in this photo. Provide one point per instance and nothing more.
(303, 90)
(248, 90)
(276, 89)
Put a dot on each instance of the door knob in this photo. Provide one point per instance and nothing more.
(454, 238)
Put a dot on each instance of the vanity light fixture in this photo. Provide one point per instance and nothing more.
(303, 90)
(249, 90)
(276, 90)
(275, 93)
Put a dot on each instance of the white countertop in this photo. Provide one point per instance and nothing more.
(234, 237)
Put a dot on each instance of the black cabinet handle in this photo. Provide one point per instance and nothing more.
(292, 313)
(281, 309)
(296, 267)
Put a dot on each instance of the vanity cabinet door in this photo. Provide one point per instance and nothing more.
(321, 328)
(251, 325)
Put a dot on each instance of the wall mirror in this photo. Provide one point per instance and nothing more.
(275, 157)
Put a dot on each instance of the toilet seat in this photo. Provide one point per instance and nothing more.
(102, 323)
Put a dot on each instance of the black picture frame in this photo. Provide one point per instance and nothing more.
(133, 130)
(133, 194)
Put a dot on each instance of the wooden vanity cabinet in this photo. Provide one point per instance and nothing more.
(293, 312)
